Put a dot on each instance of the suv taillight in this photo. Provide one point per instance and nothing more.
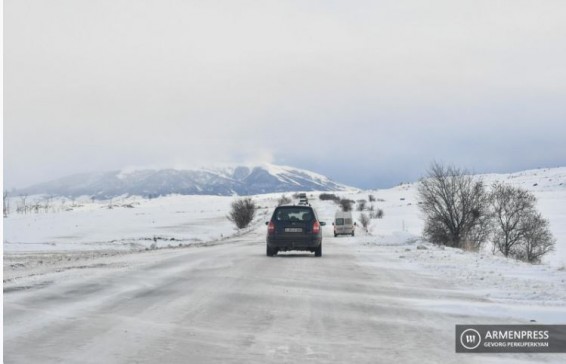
(271, 228)
(316, 227)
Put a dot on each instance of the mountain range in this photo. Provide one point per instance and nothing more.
(224, 181)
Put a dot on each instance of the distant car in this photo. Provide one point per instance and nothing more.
(303, 200)
(294, 228)
(343, 223)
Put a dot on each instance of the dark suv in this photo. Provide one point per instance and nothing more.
(294, 228)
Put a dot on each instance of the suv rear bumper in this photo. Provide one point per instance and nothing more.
(294, 243)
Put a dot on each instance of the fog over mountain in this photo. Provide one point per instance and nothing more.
(225, 181)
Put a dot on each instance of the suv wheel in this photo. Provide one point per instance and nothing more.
(270, 252)
(318, 251)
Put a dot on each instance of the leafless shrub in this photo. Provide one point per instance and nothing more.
(242, 212)
(371, 198)
(364, 220)
(284, 200)
(346, 204)
(329, 197)
(361, 205)
(36, 206)
(375, 213)
(455, 206)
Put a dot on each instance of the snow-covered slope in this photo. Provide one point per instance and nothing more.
(402, 215)
(221, 181)
(535, 180)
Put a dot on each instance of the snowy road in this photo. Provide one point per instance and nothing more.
(230, 303)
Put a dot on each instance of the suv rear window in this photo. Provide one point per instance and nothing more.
(295, 213)
(339, 221)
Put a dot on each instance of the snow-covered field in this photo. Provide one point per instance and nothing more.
(128, 223)
(59, 249)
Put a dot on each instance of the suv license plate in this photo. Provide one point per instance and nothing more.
(293, 230)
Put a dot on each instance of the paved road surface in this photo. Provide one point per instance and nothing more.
(231, 303)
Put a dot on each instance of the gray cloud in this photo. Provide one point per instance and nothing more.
(368, 92)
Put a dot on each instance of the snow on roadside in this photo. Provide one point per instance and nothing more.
(503, 286)
(125, 224)
(24, 271)
(103, 235)
(492, 277)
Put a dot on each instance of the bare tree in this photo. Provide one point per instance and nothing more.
(364, 220)
(510, 207)
(36, 205)
(23, 205)
(243, 212)
(455, 207)
(47, 203)
(371, 198)
(5, 204)
(519, 230)
(361, 206)
(538, 239)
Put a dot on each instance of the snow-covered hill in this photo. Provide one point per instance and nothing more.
(221, 181)
(402, 215)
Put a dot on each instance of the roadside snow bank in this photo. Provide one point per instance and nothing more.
(512, 283)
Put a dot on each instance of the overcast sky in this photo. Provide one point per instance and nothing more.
(366, 92)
